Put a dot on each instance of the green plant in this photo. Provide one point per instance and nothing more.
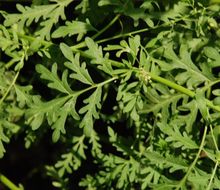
(136, 98)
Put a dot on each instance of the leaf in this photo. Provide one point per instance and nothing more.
(109, 2)
(49, 13)
(212, 53)
(176, 138)
(55, 111)
(172, 162)
(58, 181)
(201, 103)
(94, 51)
(191, 74)
(199, 179)
(59, 123)
(80, 71)
(90, 111)
(112, 134)
(67, 52)
(96, 146)
(97, 57)
(150, 175)
(56, 83)
(3, 138)
(23, 95)
(132, 47)
(73, 28)
(38, 110)
(188, 119)
(164, 103)
(84, 5)
(79, 146)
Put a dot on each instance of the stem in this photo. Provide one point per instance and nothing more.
(119, 64)
(83, 44)
(86, 55)
(212, 177)
(108, 26)
(14, 80)
(195, 160)
(8, 183)
(213, 138)
(30, 38)
(96, 86)
(9, 88)
(181, 89)
(172, 85)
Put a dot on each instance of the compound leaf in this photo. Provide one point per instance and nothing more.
(90, 110)
(73, 28)
(56, 83)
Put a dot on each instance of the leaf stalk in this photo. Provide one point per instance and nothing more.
(8, 183)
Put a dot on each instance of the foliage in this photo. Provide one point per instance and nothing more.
(136, 99)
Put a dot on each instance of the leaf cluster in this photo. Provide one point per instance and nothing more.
(130, 90)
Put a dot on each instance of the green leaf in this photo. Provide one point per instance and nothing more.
(201, 103)
(23, 95)
(165, 102)
(67, 52)
(191, 74)
(56, 83)
(172, 162)
(94, 51)
(35, 115)
(177, 138)
(73, 28)
(212, 53)
(59, 125)
(90, 111)
(3, 138)
(49, 13)
(80, 71)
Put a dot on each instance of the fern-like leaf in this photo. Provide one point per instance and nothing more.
(49, 13)
(80, 72)
(176, 138)
(191, 75)
(56, 83)
(56, 112)
(90, 110)
(3, 138)
(73, 28)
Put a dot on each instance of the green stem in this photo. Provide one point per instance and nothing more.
(212, 177)
(9, 88)
(213, 138)
(95, 86)
(8, 183)
(181, 89)
(172, 85)
(182, 182)
(119, 64)
(30, 38)
(106, 27)
(86, 55)
(83, 44)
